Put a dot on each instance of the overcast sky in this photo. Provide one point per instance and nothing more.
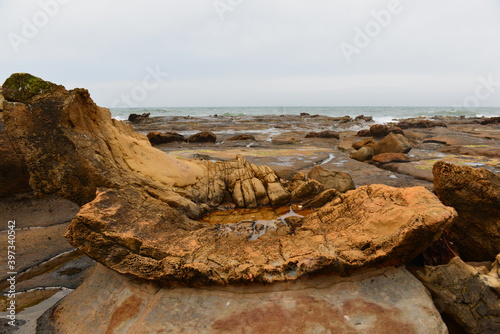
(259, 52)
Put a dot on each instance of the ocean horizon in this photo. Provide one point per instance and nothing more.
(380, 114)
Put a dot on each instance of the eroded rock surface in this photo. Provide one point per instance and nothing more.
(134, 233)
(475, 194)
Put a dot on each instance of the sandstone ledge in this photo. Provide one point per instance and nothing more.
(136, 234)
(388, 300)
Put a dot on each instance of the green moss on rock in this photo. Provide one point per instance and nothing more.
(21, 87)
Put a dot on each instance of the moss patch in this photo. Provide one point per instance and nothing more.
(21, 87)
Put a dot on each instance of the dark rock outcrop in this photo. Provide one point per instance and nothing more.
(158, 138)
(475, 194)
(420, 123)
(203, 137)
(380, 130)
(323, 134)
(491, 120)
(14, 176)
(136, 118)
(470, 295)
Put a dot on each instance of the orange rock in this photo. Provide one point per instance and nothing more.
(385, 158)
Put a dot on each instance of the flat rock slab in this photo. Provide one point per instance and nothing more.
(30, 211)
(35, 246)
(383, 301)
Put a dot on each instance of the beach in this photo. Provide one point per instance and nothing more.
(142, 170)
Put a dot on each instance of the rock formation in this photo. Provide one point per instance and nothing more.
(468, 294)
(475, 194)
(157, 138)
(14, 177)
(420, 123)
(380, 130)
(383, 301)
(340, 181)
(323, 134)
(136, 118)
(203, 137)
(139, 203)
(385, 158)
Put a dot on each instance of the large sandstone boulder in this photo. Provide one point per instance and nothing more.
(203, 137)
(72, 147)
(383, 301)
(158, 138)
(475, 194)
(468, 294)
(392, 143)
(340, 181)
(136, 234)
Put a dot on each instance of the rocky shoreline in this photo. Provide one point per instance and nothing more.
(417, 192)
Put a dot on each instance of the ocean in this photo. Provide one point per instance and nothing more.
(379, 114)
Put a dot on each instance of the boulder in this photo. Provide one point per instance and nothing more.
(380, 130)
(468, 294)
(322, 198)
(203, 137)
(390, 300)
(351, 232)
(491, 120)
(157, 138)
(364, 118)
(340, 181)
(14, 176)
(241, 137)
(420, 123)
(359, 144)
(475, 194)
(363, 154)
(306, 190)
(392, 143)
(385, 158)
(323, 134)
(136, 118)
